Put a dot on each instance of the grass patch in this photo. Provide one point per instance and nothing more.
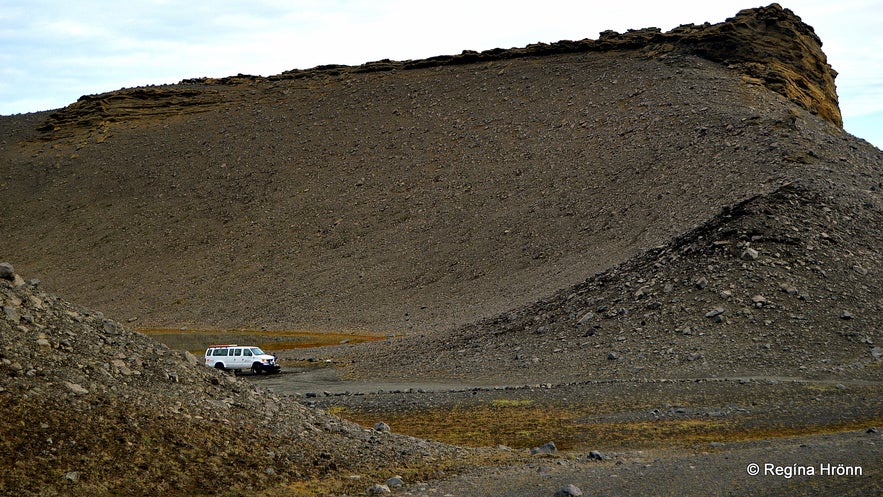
(197, 340)
(338, 411)
(521, 424)
(504, 403)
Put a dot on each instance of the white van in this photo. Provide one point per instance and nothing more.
(239, 357)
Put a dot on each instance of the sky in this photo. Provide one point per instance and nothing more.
(54, 51)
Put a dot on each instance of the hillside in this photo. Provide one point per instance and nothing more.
(659, 246)
(408, 196)
(785, 284)
(101, 410)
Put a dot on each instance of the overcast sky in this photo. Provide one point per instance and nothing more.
(54, 51)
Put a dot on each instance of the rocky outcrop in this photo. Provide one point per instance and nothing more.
(770, 45)
(91, 111)
(773, 45)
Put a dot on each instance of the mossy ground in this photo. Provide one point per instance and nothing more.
(522, 425)
(196, 340)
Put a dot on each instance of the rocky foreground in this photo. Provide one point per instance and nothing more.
(97, 409)
(93, 408)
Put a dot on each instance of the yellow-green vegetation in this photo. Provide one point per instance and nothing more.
(510, 403)
(338, 411)
(196, 340)
(523, 424)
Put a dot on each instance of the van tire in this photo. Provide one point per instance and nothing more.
(256, 368)
(220, 366)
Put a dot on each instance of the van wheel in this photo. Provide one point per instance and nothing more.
(256, 368)
(219, 366)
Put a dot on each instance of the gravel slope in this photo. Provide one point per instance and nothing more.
(650, 230)
(406, 198)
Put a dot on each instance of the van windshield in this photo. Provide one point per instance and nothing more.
(257, 351)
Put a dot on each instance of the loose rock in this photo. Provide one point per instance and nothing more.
(75, 388)
(547, 448)
(6, 271)
(570, 490)
(11, 314)
(378, 489)
(717, 311)
(750, 254)
(395, 482)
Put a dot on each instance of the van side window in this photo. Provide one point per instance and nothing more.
(220, 352)
(246, 353)
(237, 352)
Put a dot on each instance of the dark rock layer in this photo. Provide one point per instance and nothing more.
(769, 44)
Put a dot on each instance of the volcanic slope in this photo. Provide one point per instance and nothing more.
(785, 284)
(410, 196)
(691, 192)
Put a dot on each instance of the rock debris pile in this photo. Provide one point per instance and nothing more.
(783, 283)
(93, 408)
